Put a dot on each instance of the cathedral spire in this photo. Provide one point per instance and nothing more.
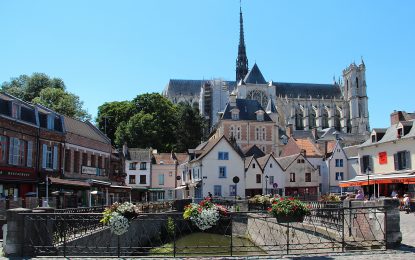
(242, 60)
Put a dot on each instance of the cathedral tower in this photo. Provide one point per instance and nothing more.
(242, 60)
(354, 91)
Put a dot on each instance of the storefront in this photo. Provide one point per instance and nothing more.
(383, 184)
(99, 195)
(119, 193)
(17, 182)
(66, 193)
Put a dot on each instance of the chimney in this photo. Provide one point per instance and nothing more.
(232, 99)
(125, 149)
(396, 117)
(314, 133)
(289, 130)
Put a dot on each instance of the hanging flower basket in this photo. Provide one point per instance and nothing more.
(118, 217)
(289, 210)
(205, 214)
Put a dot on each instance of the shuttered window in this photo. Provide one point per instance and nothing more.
(402, 160)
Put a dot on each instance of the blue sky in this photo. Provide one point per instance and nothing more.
(115, 50)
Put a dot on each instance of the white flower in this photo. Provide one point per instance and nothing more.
(118, 224)
(206, 219)
(126, 207)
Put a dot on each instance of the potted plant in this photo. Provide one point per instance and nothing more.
(118, 216)
(289, 210)
(204, 215)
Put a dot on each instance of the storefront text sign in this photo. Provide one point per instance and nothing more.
(89, 170)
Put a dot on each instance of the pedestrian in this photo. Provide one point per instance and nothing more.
(394, 193)
(359, 195)
(407, 203)
(210, 196)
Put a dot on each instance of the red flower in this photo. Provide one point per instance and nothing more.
(291, 198)
(281, 199)
(269, 209)
(274, 202)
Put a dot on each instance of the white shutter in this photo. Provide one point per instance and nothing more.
(44, 149)
(11, 150)
(55, 157)
(408, 159)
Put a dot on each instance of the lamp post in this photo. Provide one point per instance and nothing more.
(266, 184)
(368, 171)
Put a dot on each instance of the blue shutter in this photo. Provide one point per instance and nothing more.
(55, 157)
(395, 160)
(11, 150)
(408, 159)
(44, 148)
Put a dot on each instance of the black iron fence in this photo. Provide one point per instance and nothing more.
(238, 234)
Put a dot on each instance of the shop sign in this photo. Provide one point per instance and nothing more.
(15, 174)
(93, 171)
(383, 158)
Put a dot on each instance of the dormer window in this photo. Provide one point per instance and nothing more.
(399, 133)
(260, 115)
(373, 138)
(16, 110)
(235, 114)
(51, 122)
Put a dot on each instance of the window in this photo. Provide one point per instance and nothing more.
(16, 151)
(55, 157)
(223, 156)
(84, 159)
(339, 162)
(93, 160)
(263, 134)
(232, 190)
(222, 172)
(270, 165)
(260, 117)
(258, 178)
(292, 177)
(400, 133)
(100, 162)
(47, 159)
(256, 133)
(235, 115)
(51, 122)
(339, 176)
(300, 161)
(308, 177)
(253, 165)
(271, 180)
(402, 160)
(132, 166)
(373, 138)
(3, 148)
(238, 133)
(68, 160)
(77, 159)
(383, 158)
(366, 162)
(143, 179)
(143, 166)
(217, 190)
(131, 179)
(15, 111)
(161, 179)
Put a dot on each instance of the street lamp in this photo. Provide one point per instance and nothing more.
(266, 184)
(368, 172)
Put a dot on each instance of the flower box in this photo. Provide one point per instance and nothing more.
(289, 210)
(204, 215)
(286, 219)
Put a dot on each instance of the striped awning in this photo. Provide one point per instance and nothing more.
(394, 177)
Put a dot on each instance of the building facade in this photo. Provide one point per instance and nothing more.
(138, 170)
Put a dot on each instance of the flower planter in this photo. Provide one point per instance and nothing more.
(286, 219)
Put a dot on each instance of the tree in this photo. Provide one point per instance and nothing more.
(112, 114)
(40, 88)
(190, 127)
(62, 102)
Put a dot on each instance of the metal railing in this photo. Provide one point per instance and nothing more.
(237, 234)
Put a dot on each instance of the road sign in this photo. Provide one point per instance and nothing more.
(235, 179)
(275, 185)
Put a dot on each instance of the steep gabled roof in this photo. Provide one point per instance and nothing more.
(247, 109)
(252, 150)
(351, 151)
(264, 160)
(271, 108)
(255, 76)
(164, 158)
(286, 161)
(295, 146)
(211, 144)
(182, 157)
(138, 154)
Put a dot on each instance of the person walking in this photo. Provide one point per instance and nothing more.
(407, 203)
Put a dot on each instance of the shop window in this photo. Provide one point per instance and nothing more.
(84, 159)
(3, 148)
(131, 179)
(93, 160)
(100, 162)
(258, 178)
(143, 179)
(308, 177)
(143, 166)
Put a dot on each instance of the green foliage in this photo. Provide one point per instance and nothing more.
(151, 120)
(330, 198)
(170, 226)
(51, 92)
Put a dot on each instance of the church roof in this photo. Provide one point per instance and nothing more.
(305, 90)
(247, 109)
(271, 108)
(254, 76)
(189, 87)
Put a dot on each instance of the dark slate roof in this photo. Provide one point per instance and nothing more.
(247, 109)
(85, 129)
(254, 76)
(189, 86)
(305, 90)
(137, 154)
(271, 108)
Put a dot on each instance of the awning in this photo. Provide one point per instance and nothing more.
(121, 187)
(395, 177)
(68, 182)
(180, 187)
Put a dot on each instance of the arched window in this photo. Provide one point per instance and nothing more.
(324, 119)
(299, 119)
(312, 118)
(357, 82)
(337, 125)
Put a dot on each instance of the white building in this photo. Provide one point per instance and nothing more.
(212, 168)
(138, 169)
(274, 176)
(253, 177)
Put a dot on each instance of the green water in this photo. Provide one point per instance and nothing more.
(207, 244)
